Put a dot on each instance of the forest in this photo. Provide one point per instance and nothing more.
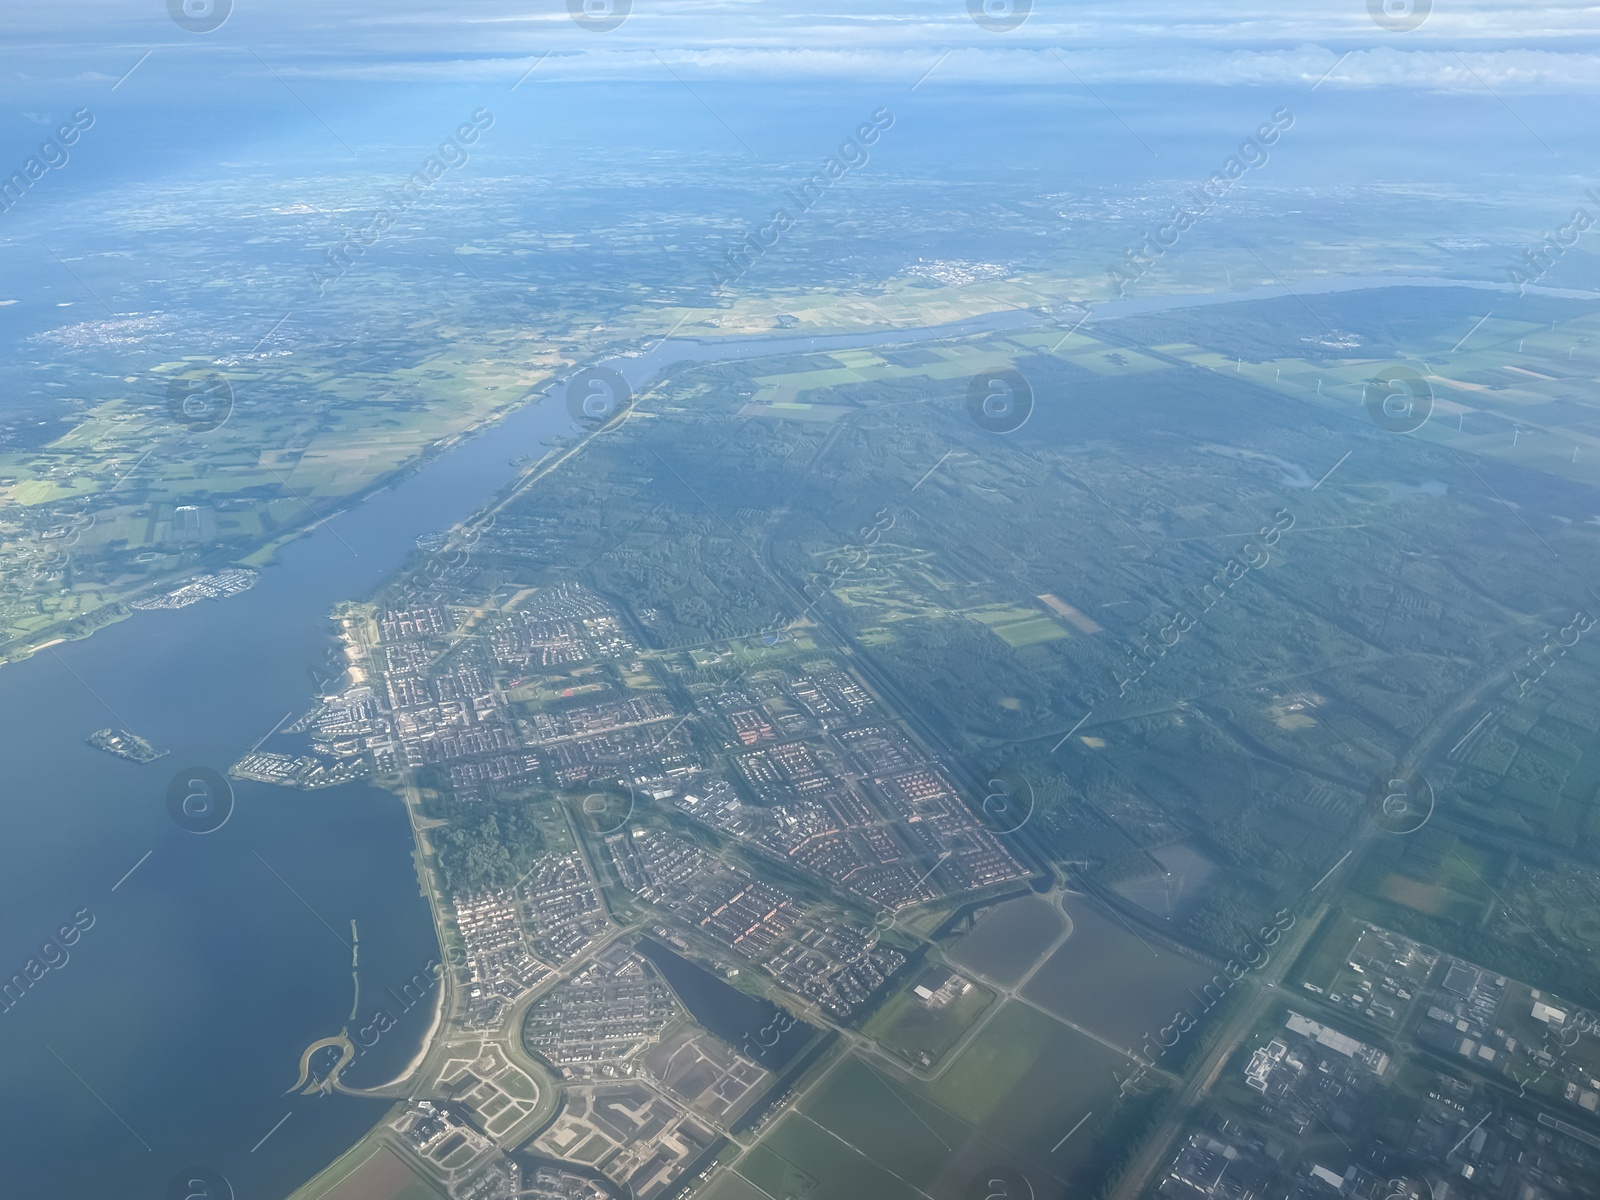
(491, 846)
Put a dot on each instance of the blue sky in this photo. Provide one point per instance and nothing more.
(1490, 96)
(1533, 45)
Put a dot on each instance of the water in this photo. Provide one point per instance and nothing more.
(1139, 305)
(1177, 891)
(206, 972)
(757, 1028)
(641, 368)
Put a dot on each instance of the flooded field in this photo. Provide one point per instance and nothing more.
(1175, 892)
(1009, 939)
(1108, 979)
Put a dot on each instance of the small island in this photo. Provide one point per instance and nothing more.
(125, 745)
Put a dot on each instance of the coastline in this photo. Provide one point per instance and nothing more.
(265, 553)
(426, 1048)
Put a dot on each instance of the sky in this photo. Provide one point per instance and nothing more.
(1489, 97)
(1527, 46)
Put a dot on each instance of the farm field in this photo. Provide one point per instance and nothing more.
(910, 1029)
(1009, 939)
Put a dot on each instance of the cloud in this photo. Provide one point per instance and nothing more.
(1437, 70)
(1517, 46)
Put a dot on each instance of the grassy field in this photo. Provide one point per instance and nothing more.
(370, 1171)
(1023, 1095)
(1026, 1080)
(1326, 962)
(832, 1166)
(907, 1027)
(1019, 626)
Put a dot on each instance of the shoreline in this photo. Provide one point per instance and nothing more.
(428, 1035)
(265, 554)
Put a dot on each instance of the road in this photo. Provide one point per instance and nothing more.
(1158, 1147)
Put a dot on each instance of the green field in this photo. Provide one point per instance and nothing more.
(371, 1170)
(1026, 1080)
(797, 1152)
(1019, 626)
(907, 1027)
(1028, 1093)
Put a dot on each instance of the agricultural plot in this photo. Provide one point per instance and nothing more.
(920, 1032)
(371, 1173)
(1009, 939)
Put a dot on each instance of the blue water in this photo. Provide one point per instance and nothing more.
(185, 1006)
(759, 1028)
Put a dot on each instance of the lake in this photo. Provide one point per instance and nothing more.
(758, 1029)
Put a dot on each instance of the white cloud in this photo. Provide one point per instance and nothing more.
(1518, 46)
(1440, 70)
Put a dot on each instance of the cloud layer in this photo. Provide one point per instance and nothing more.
(1552, 45)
